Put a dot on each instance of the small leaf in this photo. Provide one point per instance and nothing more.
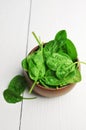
(18, 84)
(71, 49)
(60, 39)
(11, 97)
(61, 35)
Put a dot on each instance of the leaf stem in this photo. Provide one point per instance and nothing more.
(37, 39)
(32, 87)
(78, 62)
(29, 98)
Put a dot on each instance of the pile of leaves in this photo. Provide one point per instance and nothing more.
(53, 64)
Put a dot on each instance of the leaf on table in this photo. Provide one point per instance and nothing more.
(11, 97)
(18, 84)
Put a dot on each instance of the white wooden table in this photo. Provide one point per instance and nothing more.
(18, 18)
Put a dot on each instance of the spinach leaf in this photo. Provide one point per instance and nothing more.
(73, 77)
(64, 69)
(18, 84)
(36, 66)
(24, 64)
(43, 83)
(51, 81)
(64, 54)
(49, 73)
(12, 97)
(56, 59)
(56, 44)
(66, 45)
(15, 88)
(61, 36)
(71, 49)
(49, 48)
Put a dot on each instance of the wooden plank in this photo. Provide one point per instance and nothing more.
(66, 112)
(13, 38)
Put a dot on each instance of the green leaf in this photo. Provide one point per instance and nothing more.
(24, 64)
(61, 36)
(49, 48)
(18, 84)
(51, 81)
(11, 97)
(64, 69)
(49, 73)
(71, 49)
(43, 83)
(56, 59)
(64, 54)
(73, 77)
(36, 66)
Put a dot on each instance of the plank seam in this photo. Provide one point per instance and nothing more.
(28, 30)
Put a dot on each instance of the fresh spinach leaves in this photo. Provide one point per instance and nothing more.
(53, 64)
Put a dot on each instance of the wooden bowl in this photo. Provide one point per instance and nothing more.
(47, 92)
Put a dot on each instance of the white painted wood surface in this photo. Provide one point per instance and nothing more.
(67, 112)
(13, 38)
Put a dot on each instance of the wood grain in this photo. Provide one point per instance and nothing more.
(16, 25)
